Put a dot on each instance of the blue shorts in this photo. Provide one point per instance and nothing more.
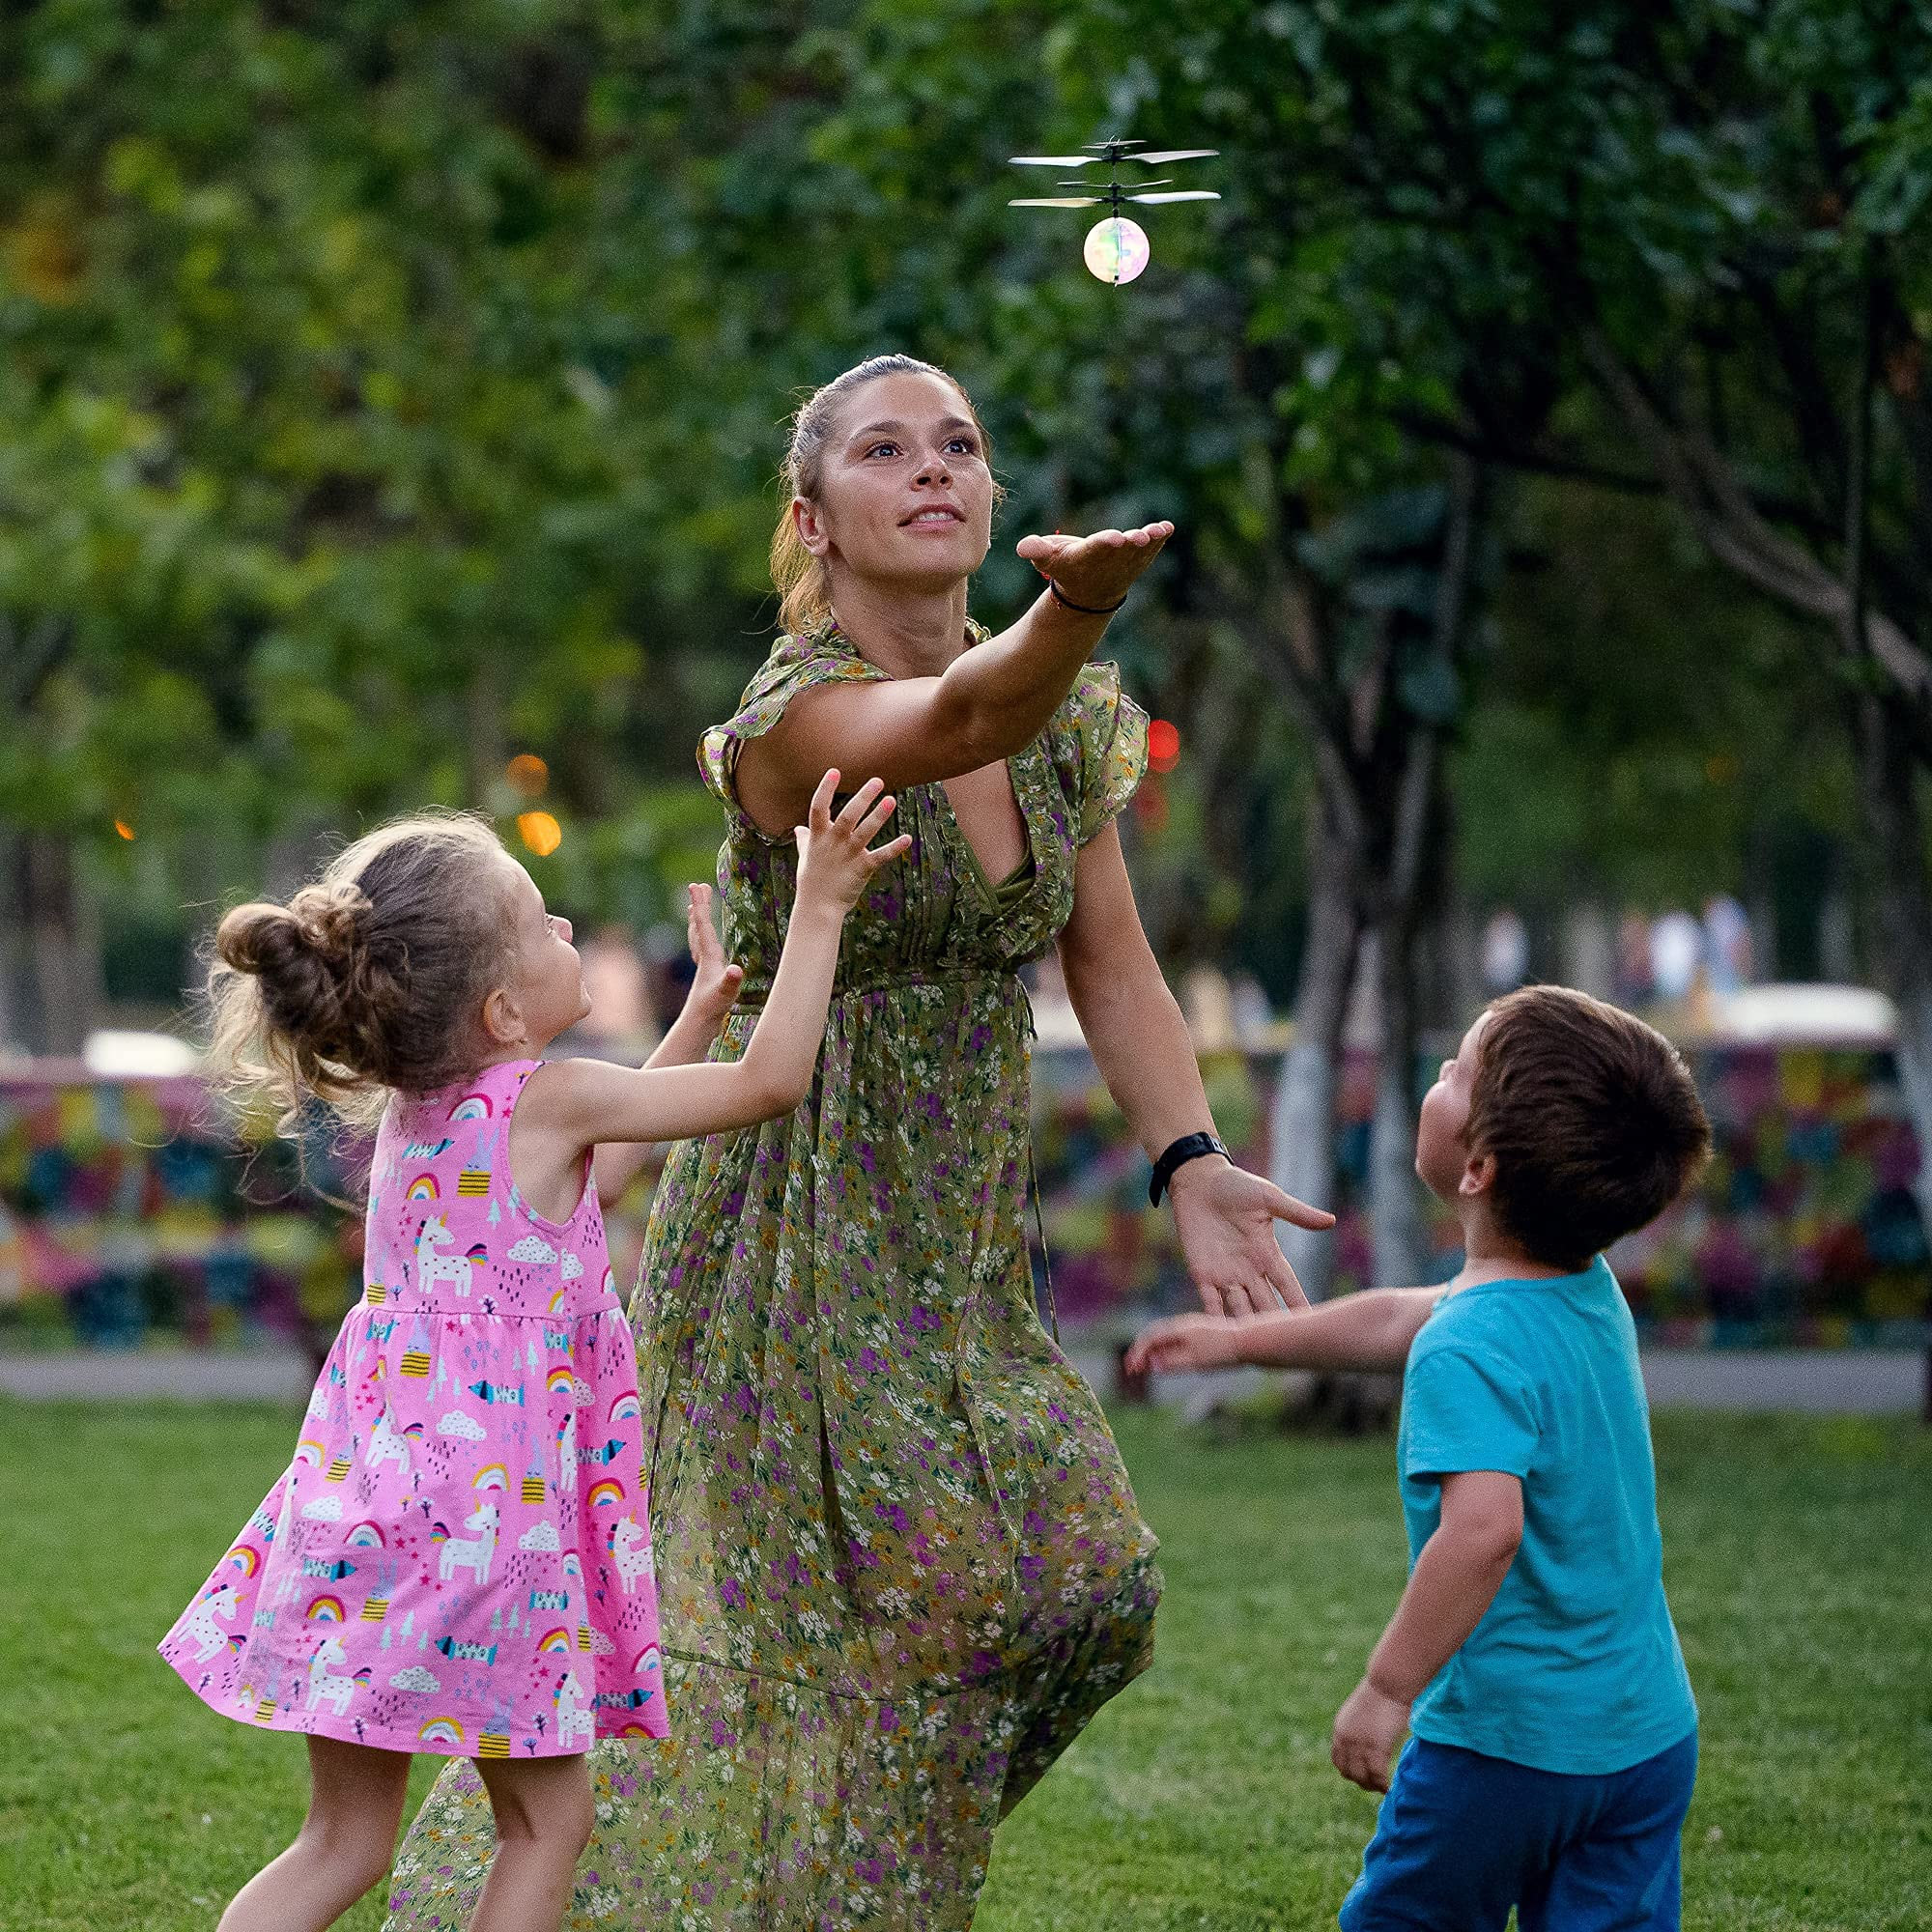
(1462, 1837)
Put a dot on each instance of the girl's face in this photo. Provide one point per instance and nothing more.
(906, 495)
(1441, 1153)
(546, 977)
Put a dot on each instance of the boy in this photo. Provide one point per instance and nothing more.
(1532, 1660)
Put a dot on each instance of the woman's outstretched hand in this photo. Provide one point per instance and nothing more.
(1226, 1216)
(835, 856)
(1100, 570)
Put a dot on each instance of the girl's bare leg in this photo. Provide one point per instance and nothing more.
(344, 1847)
(544, 1816)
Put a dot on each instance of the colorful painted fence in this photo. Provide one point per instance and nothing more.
(128, 1217)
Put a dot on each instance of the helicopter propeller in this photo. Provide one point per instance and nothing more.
(1117, 248)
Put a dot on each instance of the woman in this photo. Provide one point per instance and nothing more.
(899, 1563)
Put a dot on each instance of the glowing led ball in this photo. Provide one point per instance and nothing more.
(1116, 249)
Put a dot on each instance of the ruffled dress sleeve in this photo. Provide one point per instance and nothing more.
(795, 664)
(1101, 750)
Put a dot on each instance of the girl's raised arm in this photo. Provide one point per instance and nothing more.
(572, 1104)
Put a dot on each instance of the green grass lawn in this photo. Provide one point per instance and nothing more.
(1799, 1560)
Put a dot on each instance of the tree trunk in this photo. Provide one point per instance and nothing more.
(52, 947)
(1895, 830)
(1303, 1122)
(1394, 1206)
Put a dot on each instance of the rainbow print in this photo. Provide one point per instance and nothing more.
(646, 1660)
(325, 1611)
(554, 1640)
(634, 1731)
(246, 1558)
(558, 1382)
(492, 1476)
(557, 1300)
(626, 1408)
(366, 1535)
(471, 1107)
(422, 1188)
(441, 1731)
(609, 1490)
(308, 1450)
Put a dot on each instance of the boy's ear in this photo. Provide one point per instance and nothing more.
(1479, 1175)
(502, 1018)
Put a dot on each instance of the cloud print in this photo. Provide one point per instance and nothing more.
(572, 1268)
(456, 1423)
(415, 1678)
(582, 1393)
(539, 1536)
(323, 1509)
(533, 1248)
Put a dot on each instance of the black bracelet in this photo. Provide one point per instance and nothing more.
(1053, 591)
(1190, 1146)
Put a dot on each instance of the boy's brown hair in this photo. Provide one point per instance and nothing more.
(1591, 1115)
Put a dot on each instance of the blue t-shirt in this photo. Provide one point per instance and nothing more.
(1576, 1665)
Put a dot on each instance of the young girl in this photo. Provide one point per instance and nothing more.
(458, 1558)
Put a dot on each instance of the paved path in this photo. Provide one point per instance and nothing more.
(1832, 1380)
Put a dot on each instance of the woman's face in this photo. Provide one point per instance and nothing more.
(905, 496)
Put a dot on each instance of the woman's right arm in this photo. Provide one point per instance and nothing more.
(987, 705)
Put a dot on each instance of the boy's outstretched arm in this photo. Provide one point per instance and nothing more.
(1455, 1581)
(1371, 1330)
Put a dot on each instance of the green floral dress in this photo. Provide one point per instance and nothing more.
(899, 1565)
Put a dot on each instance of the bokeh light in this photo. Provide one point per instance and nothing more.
(540, 832)
(1116, 249)
(1163, 746)
(527, 774)
(125, 830)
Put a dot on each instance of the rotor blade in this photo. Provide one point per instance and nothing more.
(1052, 160)
(1177, 194)
(1103, 146)
(1058, 201)
(1175, 155)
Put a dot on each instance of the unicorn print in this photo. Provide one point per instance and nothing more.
(322, 1687)
(433, 1268)
(388, 1444)
(631, 1546)
(460, 1552)
(201, 1628)
(574, 1718)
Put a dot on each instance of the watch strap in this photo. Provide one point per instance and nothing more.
(1190, 1146)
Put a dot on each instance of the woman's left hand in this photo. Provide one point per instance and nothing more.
(1226, 1220)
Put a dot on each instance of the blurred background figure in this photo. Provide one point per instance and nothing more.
(621, 1024)
(1728, 944)
(1505, 957)
(1635, 984)
(1676, 952)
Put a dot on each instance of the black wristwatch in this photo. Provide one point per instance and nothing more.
(1190, 1146)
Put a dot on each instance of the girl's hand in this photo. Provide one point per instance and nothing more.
(835, 856)
(1098, 570)
(1183, 1341)
(714, 989)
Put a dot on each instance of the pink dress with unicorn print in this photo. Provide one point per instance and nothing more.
(458, 1559)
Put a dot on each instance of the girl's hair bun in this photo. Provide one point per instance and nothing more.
(322, 927)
